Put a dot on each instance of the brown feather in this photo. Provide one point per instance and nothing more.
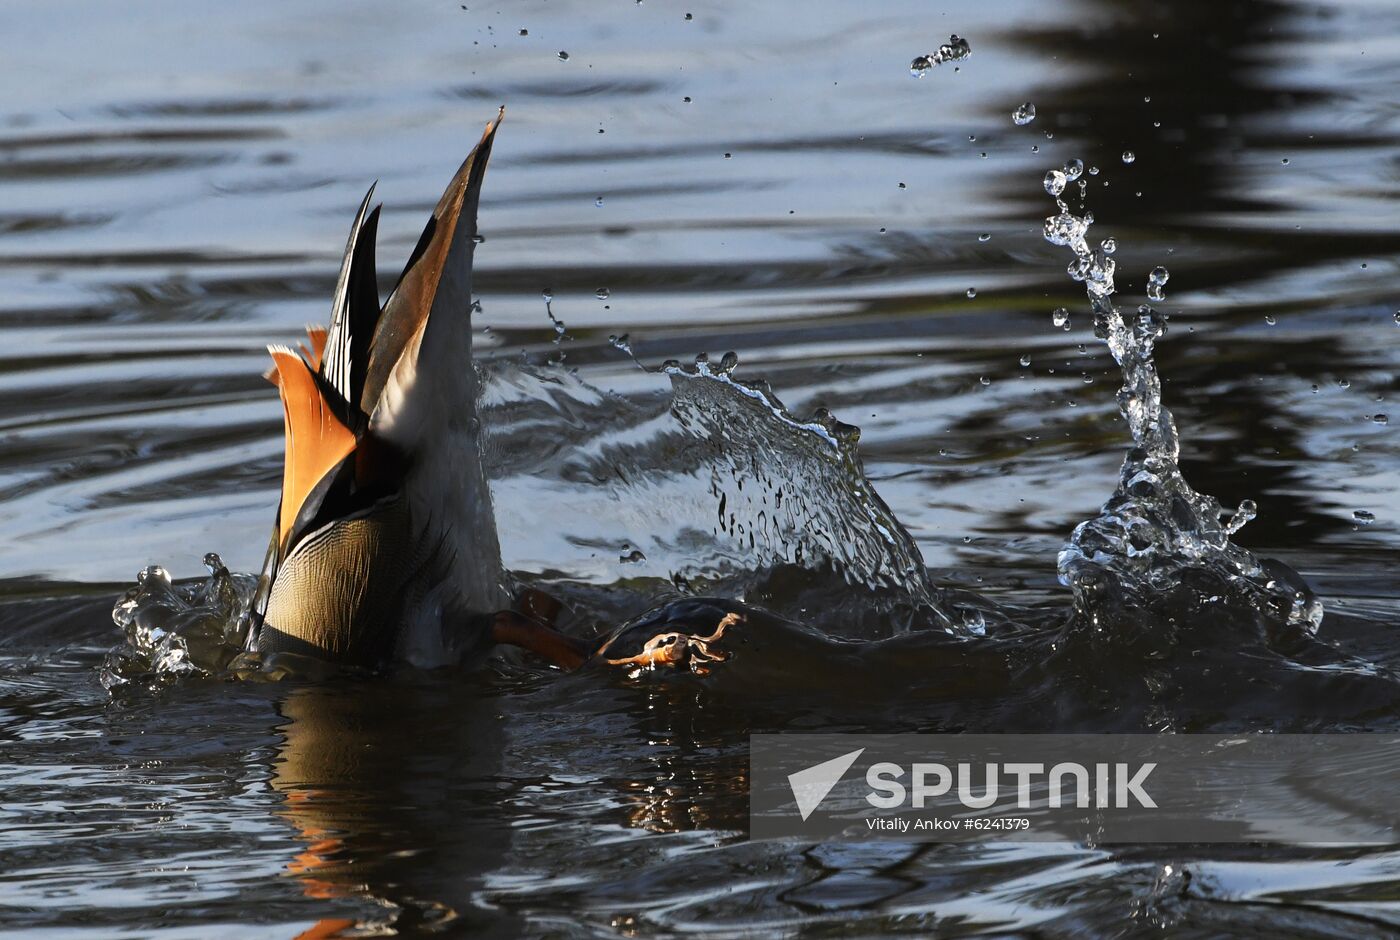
(316, 439)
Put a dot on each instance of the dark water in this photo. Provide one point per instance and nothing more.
(176, 183)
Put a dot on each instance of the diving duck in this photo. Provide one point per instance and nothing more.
(384, 544)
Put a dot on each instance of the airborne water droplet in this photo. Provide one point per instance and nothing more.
(1129, 156)
(1025, 361)
(1156, 280)
(955, 48)
(1054, 182)
(985, 237)
(1246, 512)
(1363, 517)
(602, 293)
(598, 201)
(1024, 114)
(1060, 318)
(1074, 169)
(563, 56)
(971, 293)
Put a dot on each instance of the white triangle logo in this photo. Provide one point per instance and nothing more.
(810, 786)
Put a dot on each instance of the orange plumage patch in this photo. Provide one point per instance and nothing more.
(316, 439)
(316, 336)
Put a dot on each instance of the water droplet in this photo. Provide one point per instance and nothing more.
(1364, 517)
(548, 295)
(602, 293)
(1156, 280)
(1025, 361)
(1397, 317)
(478, 238)
(1060, 318)
(955, 48)
(973, 621)
(902, 186)
(1247, 511)
(690, 16)
(1285, 161)
(985, 380)
(1054, 182)
(971, 293)
(524, 32)
(1093, 171)
(728, 155)
(1074, 169)
(1035, 148)
(633, 557)
(563, 56)
(623, 342)
(1381, 419)
(986, 237)
(1129, 156)
(1146, 99)
(1024, 114)
(1344, 383)
(1109, 246)
(728, 363)
(598, 201)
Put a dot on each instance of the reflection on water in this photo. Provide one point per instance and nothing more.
(175, 198)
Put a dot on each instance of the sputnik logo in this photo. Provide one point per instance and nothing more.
(810, 786)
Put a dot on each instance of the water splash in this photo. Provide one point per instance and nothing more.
(954, 49)
(796, 485)
(187, 630)
(1156, 534)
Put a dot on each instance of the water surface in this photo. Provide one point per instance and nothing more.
(175, 185)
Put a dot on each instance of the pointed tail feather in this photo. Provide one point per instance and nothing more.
(440, 264)
(354, 314)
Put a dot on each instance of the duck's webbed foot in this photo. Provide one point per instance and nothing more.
(513, 629)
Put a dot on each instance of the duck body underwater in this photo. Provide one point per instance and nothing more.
(385, 544)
